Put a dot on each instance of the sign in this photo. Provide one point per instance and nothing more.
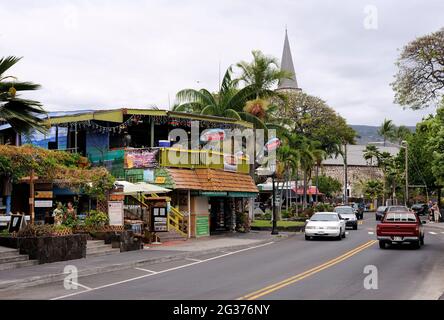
(115, 213)
(148, 175)
(230, 163)
(16, 223)
(139, 159)
(160, 219)
(43, 203)
(116, 197)
(43, 195)
(160, 180)
(202, 226)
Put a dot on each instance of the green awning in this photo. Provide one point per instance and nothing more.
(213, 193)
(242, 194)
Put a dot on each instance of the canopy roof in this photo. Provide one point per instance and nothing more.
(139, 187)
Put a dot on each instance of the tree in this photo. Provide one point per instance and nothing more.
(419, 82)
(21, 114)
(228, 102)
(386, 130)
(329, 186)
(262, 74)
(401, 133)
(373, 189)
(371, 152)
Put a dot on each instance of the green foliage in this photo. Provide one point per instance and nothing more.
(96, 219)
(323, 207)
(33, 230)
(329, 186)
(373, 189)
(21, 114)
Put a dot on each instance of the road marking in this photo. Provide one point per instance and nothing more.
(347, 232)
(81, 285)
(279, 285)
(371, 232)
(163, 271)
(191, 259)
(431, 232)
(146, 270)
(360, 222)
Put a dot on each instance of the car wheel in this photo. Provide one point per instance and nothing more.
(416, 244)
(382, 244)
(343, 235)
(307, 237)
(355, 227)
(339, 237)
(422, 240)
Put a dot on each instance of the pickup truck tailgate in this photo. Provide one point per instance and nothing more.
(398, 229)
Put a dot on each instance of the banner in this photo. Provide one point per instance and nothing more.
(139, 159)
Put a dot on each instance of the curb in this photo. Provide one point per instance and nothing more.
(50, 278)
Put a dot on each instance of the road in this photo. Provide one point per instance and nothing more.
(288, 269)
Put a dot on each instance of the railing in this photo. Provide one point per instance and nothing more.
(194, 159)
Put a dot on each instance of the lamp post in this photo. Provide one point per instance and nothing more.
(274, 222)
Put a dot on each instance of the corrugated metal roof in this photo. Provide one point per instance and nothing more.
(355, 156)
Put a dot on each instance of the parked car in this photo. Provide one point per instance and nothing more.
(421, 209)
(348, 214)
(325, 224)
(400, 227)
(380, 212)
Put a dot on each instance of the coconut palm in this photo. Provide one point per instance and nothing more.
(386, 130)
(401, 133)
(21, 114)
(262, 74)
(371, 152)
(228, 102)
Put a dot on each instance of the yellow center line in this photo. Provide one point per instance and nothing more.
(271, 288)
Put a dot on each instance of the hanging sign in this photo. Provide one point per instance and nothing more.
(43, 195)
(160, 219)
(43, 203)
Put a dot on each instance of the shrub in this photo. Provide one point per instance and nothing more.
(96, 218)
(33, 230)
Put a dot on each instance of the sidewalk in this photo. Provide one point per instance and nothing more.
(52, 272)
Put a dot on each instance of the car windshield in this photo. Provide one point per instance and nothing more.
(381, 208)
(324, 217)
(400, 217)
(344, 210)
(397, 208)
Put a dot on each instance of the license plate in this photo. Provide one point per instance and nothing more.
(397, 238)
(320, 231)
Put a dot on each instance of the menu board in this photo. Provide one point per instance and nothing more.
(160, 219)
(202, 226)
(115, 213)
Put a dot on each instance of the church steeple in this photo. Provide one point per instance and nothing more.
(287, 65)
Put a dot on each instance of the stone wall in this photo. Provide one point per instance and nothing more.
(356, 175)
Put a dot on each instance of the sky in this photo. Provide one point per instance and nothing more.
(103, 54)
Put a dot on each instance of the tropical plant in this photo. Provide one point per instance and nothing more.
(22, 114)
(386, 130)
(329, 186)
(262, 74)
(371, 152)
(96, 218)
(373, 189)
(401, 133)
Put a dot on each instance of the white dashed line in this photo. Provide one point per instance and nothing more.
(371, 232)
(431, 232)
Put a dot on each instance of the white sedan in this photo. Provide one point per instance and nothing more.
(325, 224)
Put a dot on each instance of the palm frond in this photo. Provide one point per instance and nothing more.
(7, 62)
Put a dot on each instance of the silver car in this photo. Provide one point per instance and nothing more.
(348, 214)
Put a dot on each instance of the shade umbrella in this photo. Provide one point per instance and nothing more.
(140, 187)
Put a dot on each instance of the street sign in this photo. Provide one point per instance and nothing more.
(202, 226)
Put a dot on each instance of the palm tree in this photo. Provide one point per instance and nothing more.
(21, 114)
(262, 74)
(228, 102)
(371, 152)
(401, 133)
(386, 130)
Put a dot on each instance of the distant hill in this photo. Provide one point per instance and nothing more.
(369, 133)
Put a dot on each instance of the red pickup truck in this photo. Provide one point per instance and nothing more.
(400, 227)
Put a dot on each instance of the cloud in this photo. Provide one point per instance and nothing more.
(103, 54)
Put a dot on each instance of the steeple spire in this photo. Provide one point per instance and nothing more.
(287, 65)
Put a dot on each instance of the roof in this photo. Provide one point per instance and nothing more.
(116, 115)
(212, 180)
(287, 65)
(355, 156)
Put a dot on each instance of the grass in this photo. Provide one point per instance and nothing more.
(267, 223)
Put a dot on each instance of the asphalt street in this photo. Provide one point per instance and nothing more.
(288, 269)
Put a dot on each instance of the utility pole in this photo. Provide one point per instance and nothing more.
(406, 200)
(345, 174)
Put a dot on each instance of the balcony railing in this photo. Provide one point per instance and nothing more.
(196, 159)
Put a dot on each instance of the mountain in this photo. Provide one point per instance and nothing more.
(369, 133)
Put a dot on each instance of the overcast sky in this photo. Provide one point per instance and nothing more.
(108, 54)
